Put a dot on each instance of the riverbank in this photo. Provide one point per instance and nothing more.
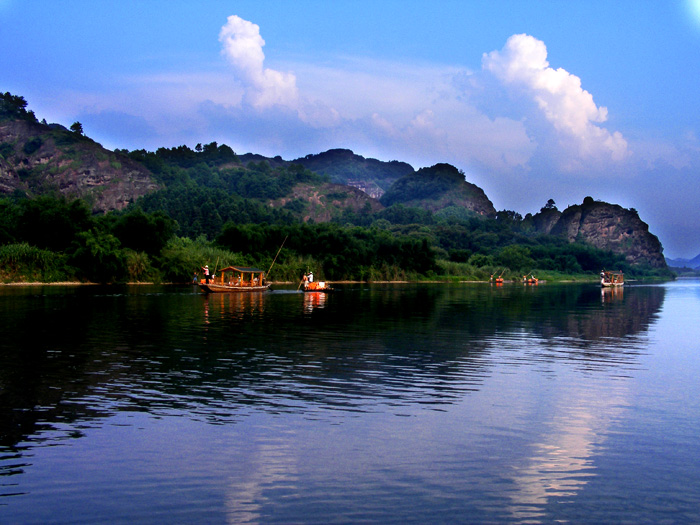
(287, 283)
(551, 279)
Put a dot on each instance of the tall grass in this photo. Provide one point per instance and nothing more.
(182, 257)
(25, 263)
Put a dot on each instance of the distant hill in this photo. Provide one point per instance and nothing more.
(437, 188)
(211, 185)
(693, 263)
(274, 162)
(324, 202)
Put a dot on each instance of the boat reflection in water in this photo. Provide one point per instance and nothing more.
(612, 294)
(314, 300)
(234, 305)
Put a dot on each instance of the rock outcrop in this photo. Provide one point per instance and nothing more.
(611, 227)
(545, 220)
(37, 158)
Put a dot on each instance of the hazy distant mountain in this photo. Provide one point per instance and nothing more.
(437, 188)
(693, 263)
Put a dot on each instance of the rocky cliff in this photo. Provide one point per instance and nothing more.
(608, 227)
(37, 158)
(325, 202)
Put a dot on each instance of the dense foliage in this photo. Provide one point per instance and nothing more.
(202, 192)
(417, 186)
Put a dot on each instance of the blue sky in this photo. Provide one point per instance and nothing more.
(532, 100)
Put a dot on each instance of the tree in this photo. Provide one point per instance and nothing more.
(77, 127)
(509, 217)
(143, 232)
(99, 256)
(14, 106)
(52, 223)
(549, 206)
(516, 257)
(210, 148)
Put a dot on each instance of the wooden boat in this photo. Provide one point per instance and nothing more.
(316, 286)
(611, 279)
(236, 279)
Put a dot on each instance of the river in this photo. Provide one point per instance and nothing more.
(401, 403)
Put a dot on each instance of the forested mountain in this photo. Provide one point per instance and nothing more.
(156, 214)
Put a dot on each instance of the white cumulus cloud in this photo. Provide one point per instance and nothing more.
(570, 109)
(242, 46)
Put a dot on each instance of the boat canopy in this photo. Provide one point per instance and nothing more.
(241, 269)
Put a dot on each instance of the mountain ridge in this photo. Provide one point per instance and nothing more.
(693, 263)
(37, 158)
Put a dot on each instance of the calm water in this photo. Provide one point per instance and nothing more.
(392, 404)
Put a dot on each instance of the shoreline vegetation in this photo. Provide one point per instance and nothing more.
(53, 240)
(578, 279)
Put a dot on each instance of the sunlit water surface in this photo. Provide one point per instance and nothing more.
(393, 404)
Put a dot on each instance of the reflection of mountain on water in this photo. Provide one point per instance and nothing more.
(77, 355)
(610, 313)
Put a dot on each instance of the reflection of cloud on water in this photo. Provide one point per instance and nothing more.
(273, 465)
(561, 462)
